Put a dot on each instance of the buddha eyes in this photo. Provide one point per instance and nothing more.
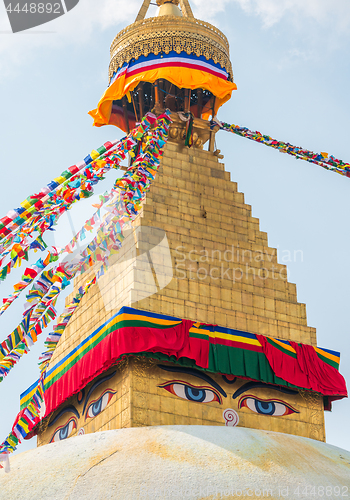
(94, 409)
(191, 392)
(65, 431)
(188, 392)
(97, 406)
(274, 408)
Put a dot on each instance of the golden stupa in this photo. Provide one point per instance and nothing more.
(153, 422)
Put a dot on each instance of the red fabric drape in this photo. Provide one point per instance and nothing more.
(174, 341)
(306, 370)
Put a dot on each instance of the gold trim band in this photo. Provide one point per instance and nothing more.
(168, 33)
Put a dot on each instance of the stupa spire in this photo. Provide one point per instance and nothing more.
(169, 61)
(168, 10)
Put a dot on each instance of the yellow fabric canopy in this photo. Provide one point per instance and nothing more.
(183, 76)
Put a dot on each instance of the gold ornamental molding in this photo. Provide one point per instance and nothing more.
(166, 33)
(201, 131)
(161, 2)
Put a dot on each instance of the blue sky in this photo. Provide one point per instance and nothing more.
(291, 66)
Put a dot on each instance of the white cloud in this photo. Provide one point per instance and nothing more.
(308, 29)
(317, 21)
(207, 10)
(333, 14)
(87, 19)
(324, 12)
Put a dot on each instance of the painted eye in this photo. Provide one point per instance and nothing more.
(274, 408)
(191, 392)
(65, 431)
(97, 406)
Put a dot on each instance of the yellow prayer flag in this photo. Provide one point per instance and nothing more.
(94, 154)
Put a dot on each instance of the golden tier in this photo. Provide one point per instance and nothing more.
(169, 33)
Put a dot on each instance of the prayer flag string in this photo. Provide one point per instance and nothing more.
(45, 208)
(326, 161)
(130, 191)
(125, 203)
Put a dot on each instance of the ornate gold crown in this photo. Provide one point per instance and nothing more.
(169, 33)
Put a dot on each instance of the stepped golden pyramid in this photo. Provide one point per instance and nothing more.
(194, 253)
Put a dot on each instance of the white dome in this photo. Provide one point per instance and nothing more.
(166, 462)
